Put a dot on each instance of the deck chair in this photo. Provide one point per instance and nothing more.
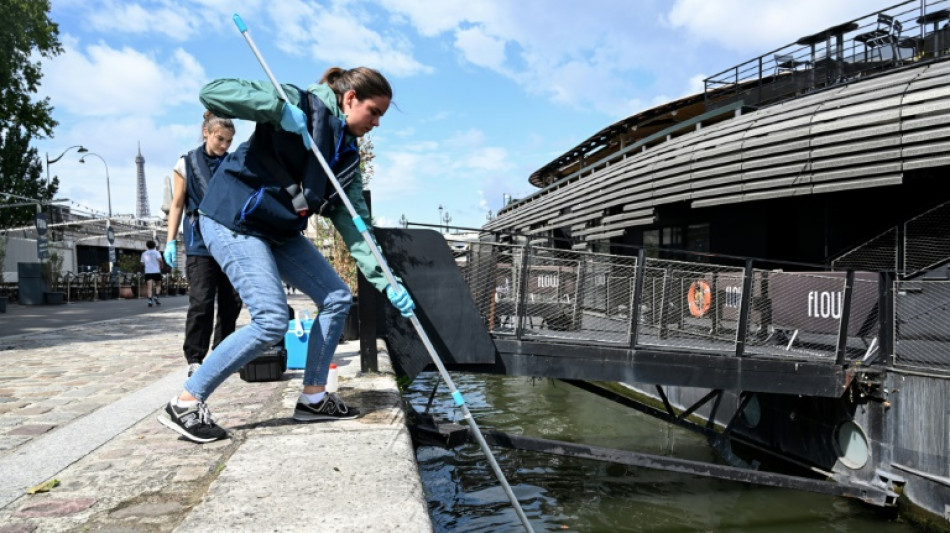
(887, 33)
(787, 62)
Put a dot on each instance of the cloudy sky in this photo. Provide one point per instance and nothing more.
(486, 91)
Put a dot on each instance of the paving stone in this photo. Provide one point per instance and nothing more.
(54, 507)
(31, 429)
(147, 510)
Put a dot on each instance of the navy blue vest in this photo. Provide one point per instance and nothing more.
(198, 174)
(248, 198)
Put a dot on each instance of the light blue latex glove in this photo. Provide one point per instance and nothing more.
(171, 253)
(292, 118)
(400, 298)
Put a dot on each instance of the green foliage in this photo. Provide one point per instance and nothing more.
(21, 173)
(53, 268)
(27, 34)
(128, 263)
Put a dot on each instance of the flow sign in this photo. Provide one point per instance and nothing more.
(41, 226)
(42, 244)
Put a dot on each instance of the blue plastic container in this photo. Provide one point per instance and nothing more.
(296, 339)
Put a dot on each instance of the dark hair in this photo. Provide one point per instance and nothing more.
(212, 121)
(150, 244)
(365, 81)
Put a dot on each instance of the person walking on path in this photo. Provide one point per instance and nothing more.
(152, 265)
(193, 173)
(251, 218)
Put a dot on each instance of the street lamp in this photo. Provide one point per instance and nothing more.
(108, 187)
(440, 218)
(81, 150)
(447, 219)
(403, 221)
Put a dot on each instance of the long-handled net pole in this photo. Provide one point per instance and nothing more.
(364, 231)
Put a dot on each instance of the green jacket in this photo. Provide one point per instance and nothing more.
(257, 101)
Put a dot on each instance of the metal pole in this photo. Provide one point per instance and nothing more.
(364, 231)
(108, 186)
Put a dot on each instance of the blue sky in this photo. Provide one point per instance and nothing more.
(486, 91)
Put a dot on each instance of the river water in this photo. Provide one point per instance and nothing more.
(568, 494)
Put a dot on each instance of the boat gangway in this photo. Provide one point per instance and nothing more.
(707, 321)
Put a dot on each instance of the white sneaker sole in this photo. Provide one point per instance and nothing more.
(308, 417)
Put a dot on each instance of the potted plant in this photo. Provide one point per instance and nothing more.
(3, 258)
(127, 265)
(52, 270)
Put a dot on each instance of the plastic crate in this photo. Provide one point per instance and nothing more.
(296, 339)
(269, 366)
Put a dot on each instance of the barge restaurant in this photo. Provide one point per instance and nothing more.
(766, 263)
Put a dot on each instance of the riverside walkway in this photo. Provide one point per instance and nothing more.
(78, 405)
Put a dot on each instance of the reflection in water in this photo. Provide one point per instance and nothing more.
(567, 494)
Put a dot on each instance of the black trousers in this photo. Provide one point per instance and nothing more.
(205, 281)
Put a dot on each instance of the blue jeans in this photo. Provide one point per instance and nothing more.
(258, 269)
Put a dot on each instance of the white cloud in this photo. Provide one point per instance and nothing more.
(102, 81)
(770, 23)
(480, 48)
(339, 34)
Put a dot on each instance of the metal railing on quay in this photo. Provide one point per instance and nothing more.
(545, 294)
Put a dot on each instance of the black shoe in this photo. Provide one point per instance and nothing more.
(157, 302)
(192, 368)
(150, 302)
(330, 408)
(195, 423)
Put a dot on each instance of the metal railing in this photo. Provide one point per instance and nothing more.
(921, 336)
(836, 55)
(915, 247)
(534, 293)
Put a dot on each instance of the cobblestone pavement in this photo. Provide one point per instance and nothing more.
(139, 476)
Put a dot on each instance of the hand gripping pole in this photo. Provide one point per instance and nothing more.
(364, 231)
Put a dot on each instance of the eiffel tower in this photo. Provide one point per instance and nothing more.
(141, 193)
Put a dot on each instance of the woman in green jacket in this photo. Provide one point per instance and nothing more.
(252, 216)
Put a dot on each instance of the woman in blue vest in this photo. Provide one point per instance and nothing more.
(206, 280)
(251, 219)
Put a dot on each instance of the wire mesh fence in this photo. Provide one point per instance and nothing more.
(878, 254)
(926, 242)
(689, 305)
(548, 294)
(565, 296)
(921, 244)
(921, 336)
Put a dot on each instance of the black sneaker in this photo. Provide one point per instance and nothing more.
(150, 302)
(195, 423)
(330, 408)
(157, 302)
(192, 368)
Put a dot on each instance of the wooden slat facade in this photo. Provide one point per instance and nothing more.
(867, 133)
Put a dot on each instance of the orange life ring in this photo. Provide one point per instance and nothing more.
(700, 298)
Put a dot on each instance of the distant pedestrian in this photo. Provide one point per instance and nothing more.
(206, 280)
(251, 218)
(152, 265)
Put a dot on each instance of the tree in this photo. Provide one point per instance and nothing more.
(328, 239)
(21, 174)
(366, 160)
(27, 34)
